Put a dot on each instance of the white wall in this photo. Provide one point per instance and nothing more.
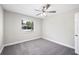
(60, 28)
(13, 32)
(1, 28)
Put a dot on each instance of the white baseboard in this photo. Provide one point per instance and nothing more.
(9, 44)
(77, 52)
(49, 39)
(1, 49)
(37, 38)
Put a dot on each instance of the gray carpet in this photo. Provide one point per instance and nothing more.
(38, 47)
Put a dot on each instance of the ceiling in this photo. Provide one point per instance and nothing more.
(29, 9)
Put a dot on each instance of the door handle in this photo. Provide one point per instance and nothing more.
(75, 35)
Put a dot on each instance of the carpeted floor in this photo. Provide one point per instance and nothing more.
(38, 47)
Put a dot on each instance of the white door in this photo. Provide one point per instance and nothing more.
(76, 35)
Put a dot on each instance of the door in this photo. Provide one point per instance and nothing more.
(76, 35)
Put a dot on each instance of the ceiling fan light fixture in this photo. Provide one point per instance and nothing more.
(44, 14)
(41, 14)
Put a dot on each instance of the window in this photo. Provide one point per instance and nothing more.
(27, 25)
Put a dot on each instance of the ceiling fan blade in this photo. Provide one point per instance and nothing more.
(37, 10)
(38, 14)
(51, 11)
(47, 6)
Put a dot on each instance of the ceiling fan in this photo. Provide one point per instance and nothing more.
(44, 11)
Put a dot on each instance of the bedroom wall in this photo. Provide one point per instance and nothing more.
(60, 28)
(13, 32)
(1, 28)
